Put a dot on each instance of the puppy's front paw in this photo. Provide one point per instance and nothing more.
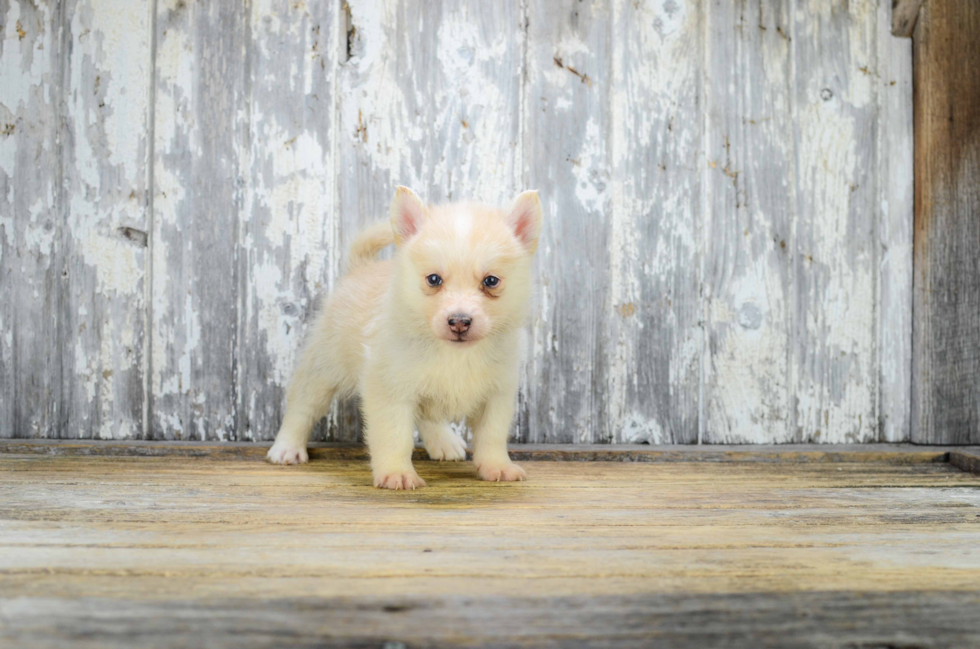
(287, 452)
(398, 480)
(448, 446)
(508, 472)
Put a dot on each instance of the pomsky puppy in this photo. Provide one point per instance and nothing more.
(433, 335)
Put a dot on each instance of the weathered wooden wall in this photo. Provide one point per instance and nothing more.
(728, 190)
(946, 360)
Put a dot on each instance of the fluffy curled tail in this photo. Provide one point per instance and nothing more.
(369, 243)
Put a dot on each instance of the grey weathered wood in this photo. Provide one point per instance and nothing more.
(946, 347)
(833, 244)
(567, 158)
(278, 129)
(430, 98)
(32, 255)
(106, 161)
(935, 619)
(750, 187)
(75, 122)
(895, 188)
(288, 253)
(648, 347)
(200, 151)
(904, 15)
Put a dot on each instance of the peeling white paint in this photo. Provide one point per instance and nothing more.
(895, 185)
(591, 175)
(39, 235)
(120, 28)
(23, 72)
(843, 327)
(117, 265)
(319, 141)
(749, 364)
(639, 430)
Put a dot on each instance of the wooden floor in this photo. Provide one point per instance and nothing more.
(174, 550)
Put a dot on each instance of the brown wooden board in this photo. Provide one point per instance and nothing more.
(183, 551)
(946, 340)
(904, 15)
(967, 459)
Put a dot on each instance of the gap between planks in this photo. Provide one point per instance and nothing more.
(966, 458)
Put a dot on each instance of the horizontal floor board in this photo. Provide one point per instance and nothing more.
(243, 553)
(936, 619)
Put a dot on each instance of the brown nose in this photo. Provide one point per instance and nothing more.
(459, 322)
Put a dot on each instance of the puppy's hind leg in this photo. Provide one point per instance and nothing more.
(307, 401)
(441, 442)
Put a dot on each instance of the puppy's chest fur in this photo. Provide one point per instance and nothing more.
(453, 385)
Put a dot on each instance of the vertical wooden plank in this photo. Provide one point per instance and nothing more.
(648, 357)
(105, 155)
(834, 367)
(288, 250)
(429, 98)
(32, 266)
(895, 187)
(200, 115)
(904, 14)
(748, 238)
(946, 345)
(567, 159)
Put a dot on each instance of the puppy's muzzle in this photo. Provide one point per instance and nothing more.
(459, 323)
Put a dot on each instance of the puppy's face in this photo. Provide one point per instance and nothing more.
(464, 269)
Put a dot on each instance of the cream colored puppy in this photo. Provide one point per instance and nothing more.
(432, 336)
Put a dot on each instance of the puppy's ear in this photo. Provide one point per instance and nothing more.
(525, 219)
(407, 214)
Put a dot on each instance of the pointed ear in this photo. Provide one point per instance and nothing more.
(525, 219)
(407, 214)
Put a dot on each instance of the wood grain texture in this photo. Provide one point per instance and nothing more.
(750, 186)
(936, 619)
(32, 212)
(200, 151)
(835, 377)
(896, 183)
(106, 166)
(904, 15)
(946, 347)
(966, 459)
(678, 147)
(158, 538)
(567, 159)
(75, 121)
(648, 354)
(288, 252)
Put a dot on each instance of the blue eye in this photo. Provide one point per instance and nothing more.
(490, 281)
(433, 280)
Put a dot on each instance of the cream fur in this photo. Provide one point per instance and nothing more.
(385, 334)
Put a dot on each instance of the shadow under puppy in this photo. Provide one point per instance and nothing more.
(433, 335)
